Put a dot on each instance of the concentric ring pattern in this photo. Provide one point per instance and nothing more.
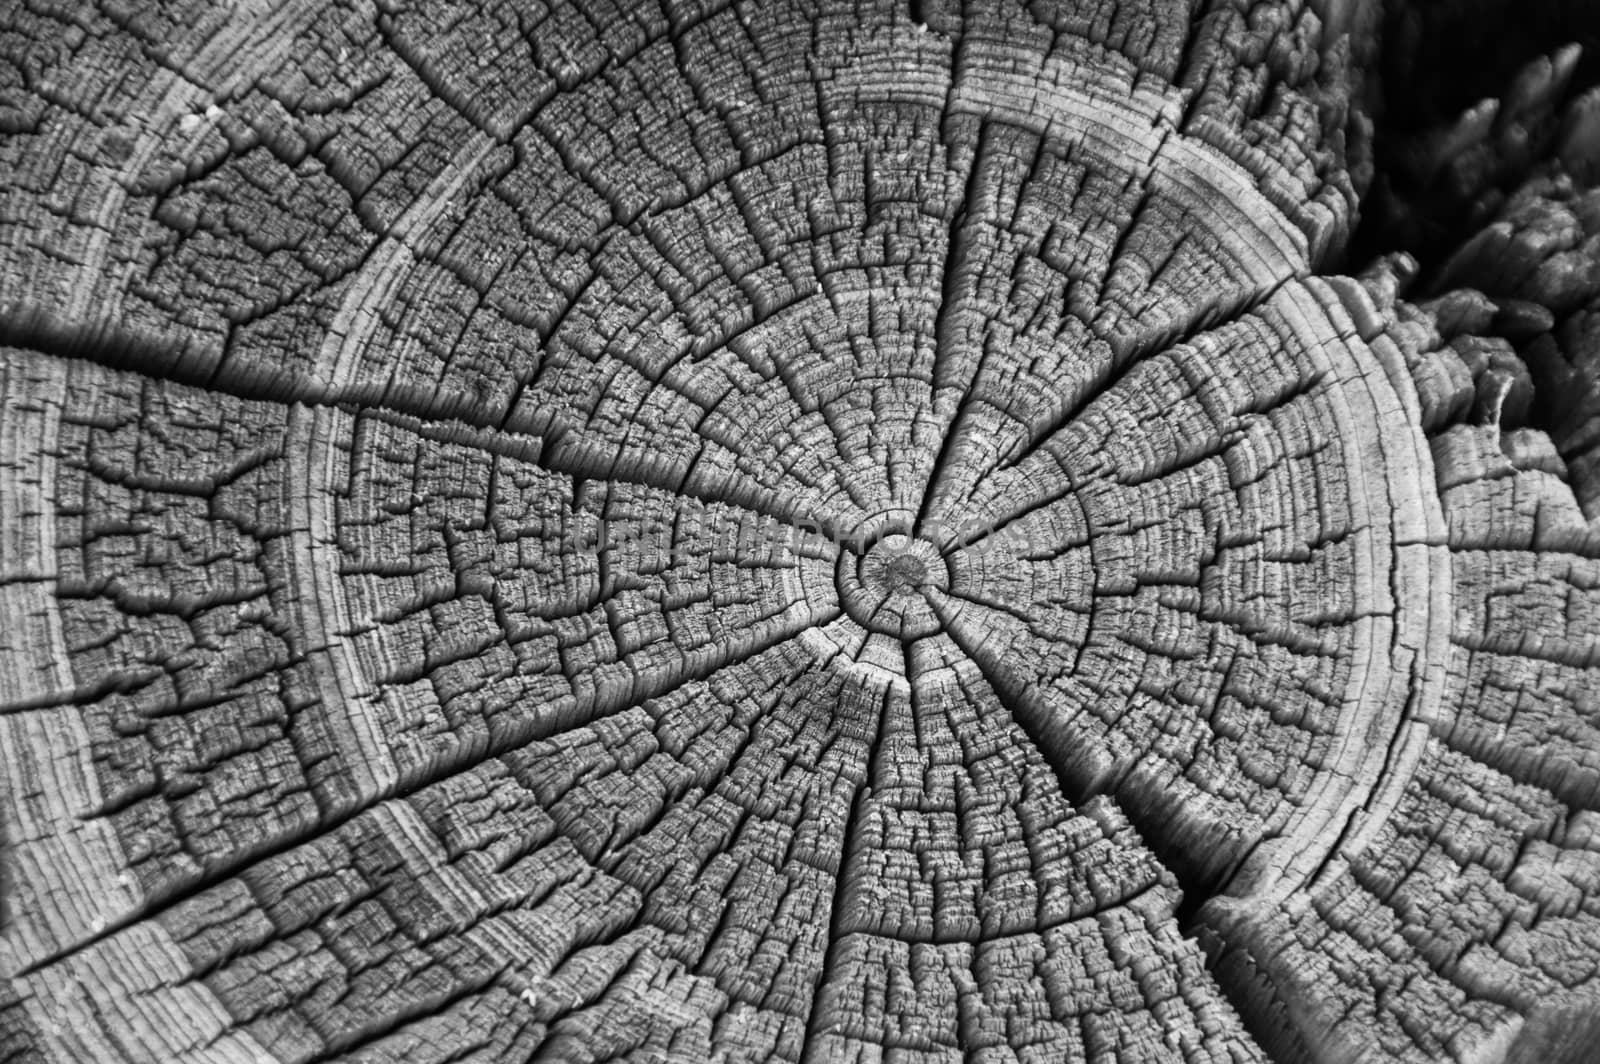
(705, 532)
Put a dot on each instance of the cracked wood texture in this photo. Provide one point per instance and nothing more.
(761, 531)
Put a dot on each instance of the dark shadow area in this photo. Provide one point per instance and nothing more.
(1486, 170)
(1433, 186)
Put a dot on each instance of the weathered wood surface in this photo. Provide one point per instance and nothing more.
(752, 532)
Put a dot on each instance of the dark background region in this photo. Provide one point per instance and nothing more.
(1436, 61)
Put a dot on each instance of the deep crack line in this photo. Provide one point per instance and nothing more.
(950, 293)
(33, 328)
(513, 739)
(1078, 789)
(816, 1020)
(1098, 773)
(1075, 479)
(1207, 320)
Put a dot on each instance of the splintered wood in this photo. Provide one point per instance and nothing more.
(741, 533)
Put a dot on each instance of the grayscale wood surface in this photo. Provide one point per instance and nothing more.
(772, 531)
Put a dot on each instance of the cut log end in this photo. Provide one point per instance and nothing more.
(741, 533)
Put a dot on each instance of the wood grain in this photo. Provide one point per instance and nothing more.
(797, 532)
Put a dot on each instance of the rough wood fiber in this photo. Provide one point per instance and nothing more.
(758, 532)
